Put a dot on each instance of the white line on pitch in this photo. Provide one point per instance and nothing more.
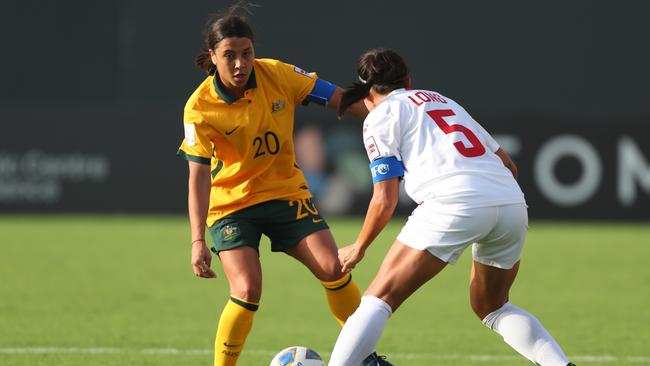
(402, 356)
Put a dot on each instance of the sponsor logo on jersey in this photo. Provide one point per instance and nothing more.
(380, 169)
(190, 134)
(277, 105)
(371, 148)
(230, 232)
(231, 131)
(301, 71)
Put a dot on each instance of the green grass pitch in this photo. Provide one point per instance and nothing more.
(118, 290)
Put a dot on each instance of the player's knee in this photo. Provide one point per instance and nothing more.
(331, 276)
(484, 306)
(331, 272)
(247, 292)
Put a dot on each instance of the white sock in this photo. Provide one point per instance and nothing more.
(523, 332)
(361, 332)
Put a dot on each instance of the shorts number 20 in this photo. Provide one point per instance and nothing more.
(475, 149)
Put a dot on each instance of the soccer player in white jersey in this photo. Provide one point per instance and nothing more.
(465, 186)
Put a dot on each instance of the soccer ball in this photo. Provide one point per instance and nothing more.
(297, 356)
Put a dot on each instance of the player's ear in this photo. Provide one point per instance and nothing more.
(213, 56)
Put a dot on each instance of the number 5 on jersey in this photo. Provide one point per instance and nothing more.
(475, 149)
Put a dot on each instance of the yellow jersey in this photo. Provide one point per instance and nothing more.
(248, 141)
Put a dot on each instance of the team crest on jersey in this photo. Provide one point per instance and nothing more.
(230, 232)
(277, 105)
(371, 148)
(301, 71)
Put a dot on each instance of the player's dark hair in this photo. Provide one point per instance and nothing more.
(221, 26)
(380, 69)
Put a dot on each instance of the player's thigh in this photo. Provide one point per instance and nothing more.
(503, 245)
(318, 252)
(298, 229)
(402, 272)
(241, 266)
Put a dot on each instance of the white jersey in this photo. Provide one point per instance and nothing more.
(447, 156)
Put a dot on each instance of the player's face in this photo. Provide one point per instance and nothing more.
(234, 60)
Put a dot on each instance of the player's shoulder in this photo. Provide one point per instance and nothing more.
(396, 102)
(383, 113)
(266, 62)
(200, 98)
(269, 69)
(270, 64)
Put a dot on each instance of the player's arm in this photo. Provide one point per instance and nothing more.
(386, 175)
(505, 158)
(328, 94)
(198, 199)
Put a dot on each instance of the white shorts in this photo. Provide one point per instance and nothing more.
(496, 232)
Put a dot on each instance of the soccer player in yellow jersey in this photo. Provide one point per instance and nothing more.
(244, 180)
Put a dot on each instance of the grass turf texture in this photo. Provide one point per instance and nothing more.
(119, 291)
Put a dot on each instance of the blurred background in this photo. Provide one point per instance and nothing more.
(93, 94)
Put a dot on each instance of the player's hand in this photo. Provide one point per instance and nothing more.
(349, 256)
(201, 259)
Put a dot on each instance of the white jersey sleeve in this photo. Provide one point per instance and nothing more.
(381, 134)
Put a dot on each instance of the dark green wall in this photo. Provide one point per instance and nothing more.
(105, 82)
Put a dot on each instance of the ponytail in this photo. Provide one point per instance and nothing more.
(353, 94)
(379, 69)
(204, 62)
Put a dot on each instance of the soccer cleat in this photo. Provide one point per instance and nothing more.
(570, 364)
(381, 361)
(375, 360)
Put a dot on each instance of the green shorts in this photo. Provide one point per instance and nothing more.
(284, 222)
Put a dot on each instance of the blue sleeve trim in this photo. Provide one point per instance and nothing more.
(322, 92)
(386, 168)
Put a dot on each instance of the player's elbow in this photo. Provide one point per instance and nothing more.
(385, 200)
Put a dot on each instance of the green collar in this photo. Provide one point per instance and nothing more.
(230, 99)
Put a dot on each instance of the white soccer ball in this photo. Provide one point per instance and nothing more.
(297, 356)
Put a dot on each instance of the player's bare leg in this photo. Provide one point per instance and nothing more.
(318, 252)
(244, 272)
(489, 288)
(242, 268)
(402, 272)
